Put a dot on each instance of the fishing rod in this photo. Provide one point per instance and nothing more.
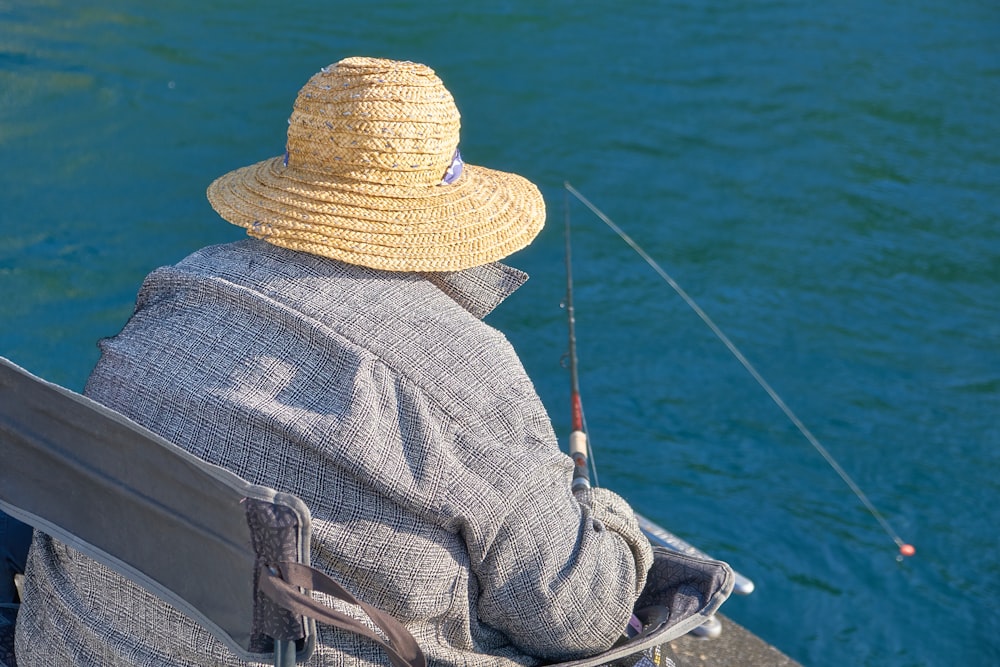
(579, 446)
(583, 459)
(905, 548)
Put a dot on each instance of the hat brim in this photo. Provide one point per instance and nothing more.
(484, 216)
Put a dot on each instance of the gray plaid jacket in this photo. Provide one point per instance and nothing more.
(406, 424)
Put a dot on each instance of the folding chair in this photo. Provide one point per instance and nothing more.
(231, 555)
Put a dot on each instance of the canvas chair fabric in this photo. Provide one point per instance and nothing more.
(144, 507)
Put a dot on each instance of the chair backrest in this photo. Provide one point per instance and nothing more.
(174, 524)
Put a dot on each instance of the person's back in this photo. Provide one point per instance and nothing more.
(342, 358)
(406, 425)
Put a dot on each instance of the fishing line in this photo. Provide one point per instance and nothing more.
(905, 548)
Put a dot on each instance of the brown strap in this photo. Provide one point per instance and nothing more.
(282, 587)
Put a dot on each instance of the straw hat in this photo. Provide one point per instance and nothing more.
(372, 176)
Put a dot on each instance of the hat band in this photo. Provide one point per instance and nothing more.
(451, 174)
(454, 170)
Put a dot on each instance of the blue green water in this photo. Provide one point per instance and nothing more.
(822, 178)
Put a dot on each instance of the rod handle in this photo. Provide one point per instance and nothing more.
(578, 451)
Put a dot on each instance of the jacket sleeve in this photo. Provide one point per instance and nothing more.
(563, 572)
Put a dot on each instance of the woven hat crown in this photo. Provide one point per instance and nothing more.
(374, 120)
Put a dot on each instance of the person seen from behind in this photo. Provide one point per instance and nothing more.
(340, 354)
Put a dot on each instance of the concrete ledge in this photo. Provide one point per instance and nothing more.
(736, 647)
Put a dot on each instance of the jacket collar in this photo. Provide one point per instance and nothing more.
(480, 289)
